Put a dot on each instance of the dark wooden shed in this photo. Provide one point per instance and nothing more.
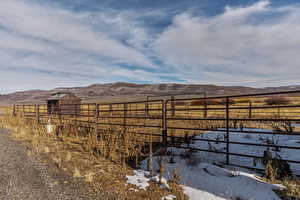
(66, 103)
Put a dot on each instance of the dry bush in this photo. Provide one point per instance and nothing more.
(202, 102)
(278, 171)
(282, 126)
(180, 103)
(230, 101)
(174, 184)
(279, 100)
(243, 101)
(275, 167)
(292, 190)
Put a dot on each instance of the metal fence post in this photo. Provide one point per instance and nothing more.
(250, 110)
(124, 118)
(60, 119)
(75, 118)
(125, 134)
(110, 110)
(96, 117)
(205, 104)
(14, 110)
(23, 110)
(88, 112)
(172, 106)
(164, 121)
(205, 108)
(37, 110)
(147, 107)
(227, 130)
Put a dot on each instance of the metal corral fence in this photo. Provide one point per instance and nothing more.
(245, 122)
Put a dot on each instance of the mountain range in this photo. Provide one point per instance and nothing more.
(121, 91)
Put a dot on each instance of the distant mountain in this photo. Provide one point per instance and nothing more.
(118, 92)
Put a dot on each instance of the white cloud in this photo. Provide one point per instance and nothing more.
(238, 46)
(65, 28)
(232, 14)
(123, 25)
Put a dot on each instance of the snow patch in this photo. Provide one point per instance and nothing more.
(163, 182)
(169, 197)
(139, 179)
(193, 193)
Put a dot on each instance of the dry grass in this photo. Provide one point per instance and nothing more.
(292, 189)
(97, 161)
(291, 184)
(76, 173)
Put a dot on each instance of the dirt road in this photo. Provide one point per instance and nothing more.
(23, 177)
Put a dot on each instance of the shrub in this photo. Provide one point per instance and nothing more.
(277, 101)
(179, 103)
(231, 101)
(202, 102)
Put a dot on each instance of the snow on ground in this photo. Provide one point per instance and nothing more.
(199, 194)
(141, 179)
(284, 140)
(210, 182)
(201, 179)
(296, 125)
(169, 197)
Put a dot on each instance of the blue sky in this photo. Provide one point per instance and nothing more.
(62, 43)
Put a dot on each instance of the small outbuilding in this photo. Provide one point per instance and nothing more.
(63, 103)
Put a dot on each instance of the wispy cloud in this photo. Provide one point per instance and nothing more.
(48, 38)
(66, 29)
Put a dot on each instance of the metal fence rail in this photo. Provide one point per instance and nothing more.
(172, 122)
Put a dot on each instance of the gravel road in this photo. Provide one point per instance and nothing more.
(23, 177)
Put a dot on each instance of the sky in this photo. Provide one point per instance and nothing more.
(46, 44)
